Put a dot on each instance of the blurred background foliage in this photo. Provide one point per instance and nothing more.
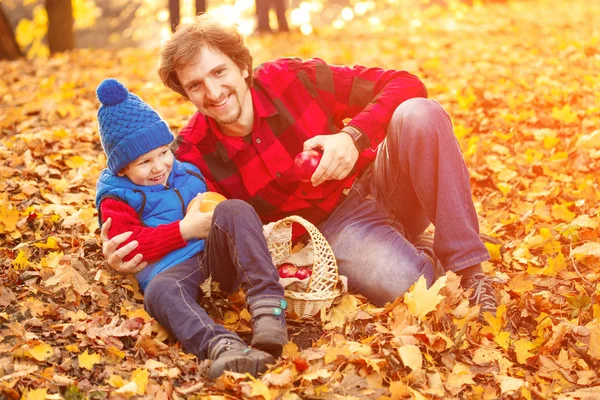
(37, 28)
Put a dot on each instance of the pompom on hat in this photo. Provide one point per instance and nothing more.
(128, 127)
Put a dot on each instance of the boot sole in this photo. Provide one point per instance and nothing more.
(240, 364)
(267, 344)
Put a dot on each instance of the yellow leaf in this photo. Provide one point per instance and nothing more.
(52, 259)
(564, 114)
(589, 249)
(494, 250)
(504, 187)
(24, 32)
(8, 218)
(320, 373)
(116, 381)
(411, 357)
(259, 389)
(345, 311)
(231, 317)
(75, 162)
(41, 352)
(510, 384)
(87, 361)
(51, 243)
(127, 390)
(522, 347)
(36, 394)
(140, 377)
(22, 260)
(73, 348)
(591, 141)
(420, 300)
(245, 315)
(594, 346)
(503, 340)
(561, 212)
(290, 350)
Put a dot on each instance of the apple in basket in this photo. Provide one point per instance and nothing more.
(287, 270)
(303, 273)
(306, 164)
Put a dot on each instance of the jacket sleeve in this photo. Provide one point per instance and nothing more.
(154, 243)
(369, 96)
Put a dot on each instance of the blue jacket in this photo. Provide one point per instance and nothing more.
(157, 205)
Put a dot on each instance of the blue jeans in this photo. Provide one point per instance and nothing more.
(418, 177)
(236, 254)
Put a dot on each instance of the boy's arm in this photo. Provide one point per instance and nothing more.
(154, 243)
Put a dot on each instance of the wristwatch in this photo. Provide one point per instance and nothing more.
(361, 141)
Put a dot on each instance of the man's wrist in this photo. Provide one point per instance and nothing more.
(361, 141)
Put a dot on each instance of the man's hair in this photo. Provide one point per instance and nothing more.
(187, 41)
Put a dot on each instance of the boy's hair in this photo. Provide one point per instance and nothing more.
(184, 47)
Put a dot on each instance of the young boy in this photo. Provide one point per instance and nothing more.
(146, 191)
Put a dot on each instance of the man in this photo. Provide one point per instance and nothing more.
(394, 168)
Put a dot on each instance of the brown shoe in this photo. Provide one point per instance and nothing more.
(230, 354)
(269, 330)
(483, 292)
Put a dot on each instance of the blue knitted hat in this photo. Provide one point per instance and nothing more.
(128, 126)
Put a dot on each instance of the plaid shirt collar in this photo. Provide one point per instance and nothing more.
(228, 146)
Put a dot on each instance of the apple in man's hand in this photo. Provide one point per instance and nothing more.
(287, 270)
(306, 164)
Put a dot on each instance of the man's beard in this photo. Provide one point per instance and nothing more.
(234, 117)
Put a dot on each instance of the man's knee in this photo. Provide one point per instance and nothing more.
(418, 121)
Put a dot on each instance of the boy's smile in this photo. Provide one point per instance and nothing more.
(152, 168)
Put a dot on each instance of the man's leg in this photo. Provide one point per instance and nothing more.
(371, 249)
(420, 176)
(237, 254)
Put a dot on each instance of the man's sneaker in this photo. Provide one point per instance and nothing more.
(269, 331)
(483, 292)
(231, 354)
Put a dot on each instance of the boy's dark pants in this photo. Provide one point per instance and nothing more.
(235, 254)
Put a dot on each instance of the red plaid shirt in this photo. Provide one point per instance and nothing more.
(294, 101)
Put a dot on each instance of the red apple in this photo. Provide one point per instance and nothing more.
(303, 273)
(287, 270)
(306, 164)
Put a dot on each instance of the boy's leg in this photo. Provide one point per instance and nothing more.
(172, 299)
(237, 254)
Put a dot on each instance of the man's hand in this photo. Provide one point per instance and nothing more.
(195, 224)
(339, 156)
(114, 257)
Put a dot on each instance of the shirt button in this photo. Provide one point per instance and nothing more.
(278, 174)
(258, 141)
(304, 193)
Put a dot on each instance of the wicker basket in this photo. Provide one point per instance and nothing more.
(323, 285)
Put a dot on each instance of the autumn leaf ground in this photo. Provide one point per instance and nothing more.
(521, 81)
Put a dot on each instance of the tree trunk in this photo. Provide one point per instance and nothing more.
(60, 25)
(9, 49)
(174, 14)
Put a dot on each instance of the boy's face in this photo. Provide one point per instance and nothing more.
(152, 168)
(217, 86)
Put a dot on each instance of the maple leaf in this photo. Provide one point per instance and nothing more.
(411, 357)
(40, 352)
(87, 360)
(522, 347)
(589, 249)
(420, 300)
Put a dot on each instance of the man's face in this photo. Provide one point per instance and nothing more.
(216, 86)
(152, 168)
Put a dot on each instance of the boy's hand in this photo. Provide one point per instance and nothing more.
(195, 224)
(114, 256)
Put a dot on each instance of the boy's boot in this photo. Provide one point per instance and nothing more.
(229, 353)
(269, 331)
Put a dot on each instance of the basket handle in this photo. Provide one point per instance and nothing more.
(325, 270)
